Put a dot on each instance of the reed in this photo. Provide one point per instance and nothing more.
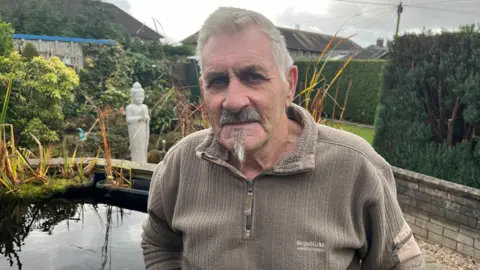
(3, 115)
(10, 162)
(44, 157)
(67, 169)
(315, 91)
(106, 146)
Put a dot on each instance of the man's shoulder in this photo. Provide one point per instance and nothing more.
(349, 145)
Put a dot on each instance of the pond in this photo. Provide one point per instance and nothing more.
(70, 235)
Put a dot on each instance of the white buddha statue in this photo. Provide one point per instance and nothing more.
(138, 120)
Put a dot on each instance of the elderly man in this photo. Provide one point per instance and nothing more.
(266, 187)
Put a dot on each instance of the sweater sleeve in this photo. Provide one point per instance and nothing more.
(390, 241)
(162, 246)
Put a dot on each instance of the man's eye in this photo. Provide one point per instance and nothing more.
(254, 77)
(218, 82)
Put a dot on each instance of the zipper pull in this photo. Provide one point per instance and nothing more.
(249, 204)
(249, 209)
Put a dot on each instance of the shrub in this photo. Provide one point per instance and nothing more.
(37, 99)
(6, 38)
(365, 76)
(30, 51)
(430, 105)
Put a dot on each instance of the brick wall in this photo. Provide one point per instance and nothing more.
(441, 212)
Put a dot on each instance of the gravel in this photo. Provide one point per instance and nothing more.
(448, 258)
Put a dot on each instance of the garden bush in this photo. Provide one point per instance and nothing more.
(40, 88)
(6, 38)
(430, 105)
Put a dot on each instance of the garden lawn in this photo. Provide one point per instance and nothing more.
(364, 132)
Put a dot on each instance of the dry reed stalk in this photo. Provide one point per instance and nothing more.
(43, 164)
(345, 102)
(8, 156)
(304, 96)
(106, 146)
(335, 106)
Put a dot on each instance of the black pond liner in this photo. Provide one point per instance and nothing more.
(96, 190)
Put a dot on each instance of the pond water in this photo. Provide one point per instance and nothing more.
(70, 235)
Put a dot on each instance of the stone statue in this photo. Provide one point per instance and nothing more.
(138, 119)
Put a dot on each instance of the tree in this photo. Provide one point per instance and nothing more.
(40, 88)
(107, 76)
(30, 51)
(72, 18)
(429, 107)
(6, 38)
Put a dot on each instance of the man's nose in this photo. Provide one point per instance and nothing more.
(236, 96)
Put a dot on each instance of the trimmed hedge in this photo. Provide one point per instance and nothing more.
(424, 79)
(363, 98)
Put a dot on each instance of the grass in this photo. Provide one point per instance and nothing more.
(38, 191)
(364, 132)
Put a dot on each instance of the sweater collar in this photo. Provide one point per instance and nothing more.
(303, 158)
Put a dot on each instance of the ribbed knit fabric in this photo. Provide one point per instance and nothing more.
(329, 205)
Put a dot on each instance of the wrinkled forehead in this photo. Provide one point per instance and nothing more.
(250, 47)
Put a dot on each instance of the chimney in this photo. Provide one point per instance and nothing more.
(297, 26)
(380, 42)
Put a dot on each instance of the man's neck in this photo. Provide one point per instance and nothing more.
(272, 153)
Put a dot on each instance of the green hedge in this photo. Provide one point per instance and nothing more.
(362, 101)
(422, 80)
(363, 97)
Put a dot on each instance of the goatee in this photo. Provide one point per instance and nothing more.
(239, 135)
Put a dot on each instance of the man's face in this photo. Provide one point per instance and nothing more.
(244, 95)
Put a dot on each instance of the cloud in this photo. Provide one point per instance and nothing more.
(370, 22)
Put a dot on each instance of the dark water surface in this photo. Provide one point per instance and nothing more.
(66, 235)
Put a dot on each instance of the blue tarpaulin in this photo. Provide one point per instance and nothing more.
(64, 39)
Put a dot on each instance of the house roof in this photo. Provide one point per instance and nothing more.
(311, 41)
(301, 40)
(372, 52)
(132, 26)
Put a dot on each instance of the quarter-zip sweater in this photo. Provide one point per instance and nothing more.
(330, 204)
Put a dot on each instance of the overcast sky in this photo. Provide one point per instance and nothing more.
(181, 18)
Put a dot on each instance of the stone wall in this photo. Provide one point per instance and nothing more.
(441, 212)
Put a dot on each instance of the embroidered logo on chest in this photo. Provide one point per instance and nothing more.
(310, 246)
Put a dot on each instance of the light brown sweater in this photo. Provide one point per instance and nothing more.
(331, 204)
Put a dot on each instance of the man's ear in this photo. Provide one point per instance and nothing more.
(292, 79)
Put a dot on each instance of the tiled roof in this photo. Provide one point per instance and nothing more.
(372, 52)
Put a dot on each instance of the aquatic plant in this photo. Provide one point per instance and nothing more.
(41, 172)
(116, 175)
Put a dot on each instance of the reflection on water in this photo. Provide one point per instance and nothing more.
(67, 235)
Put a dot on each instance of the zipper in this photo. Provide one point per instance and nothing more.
(401, 243)
(249, 210)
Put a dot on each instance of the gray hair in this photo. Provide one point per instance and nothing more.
(227, 20)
